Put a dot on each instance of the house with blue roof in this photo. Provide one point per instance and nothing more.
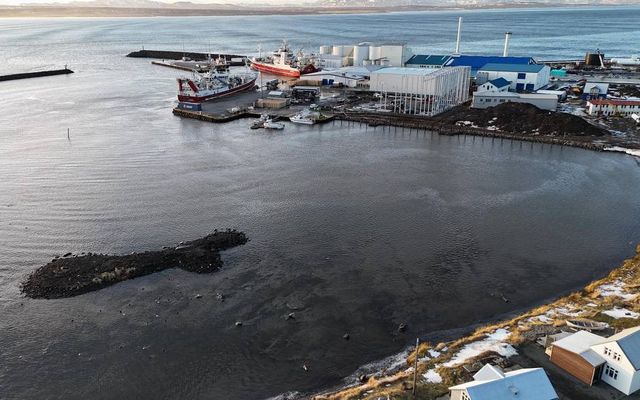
(495, 85)
(621, 353)
(529, 77)
(492, 383)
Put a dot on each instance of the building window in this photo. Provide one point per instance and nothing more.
(612, 373)
(607, 351)
(465, 396)
(522, 75)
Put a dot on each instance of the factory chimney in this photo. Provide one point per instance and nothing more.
(507, 35)
(458, 38)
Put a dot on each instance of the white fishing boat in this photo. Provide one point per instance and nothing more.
(305, 117)
(260, 122)
(271, 124)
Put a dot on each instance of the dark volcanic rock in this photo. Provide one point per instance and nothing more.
(523, 118)
(68, 277)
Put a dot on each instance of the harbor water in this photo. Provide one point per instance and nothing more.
(353, 229)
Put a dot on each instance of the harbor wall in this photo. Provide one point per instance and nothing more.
(29, 75)
(177, 55)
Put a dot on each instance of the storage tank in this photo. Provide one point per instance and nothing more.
(360, 53)
(325, 49)
(338, 51)
(375, 52)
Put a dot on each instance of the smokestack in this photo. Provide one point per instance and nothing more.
(507, 35)
(458, 38)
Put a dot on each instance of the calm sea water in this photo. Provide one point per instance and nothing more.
(356, 229)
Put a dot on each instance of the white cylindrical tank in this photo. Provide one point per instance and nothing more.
(375, 52)
(360, 53)
(325, 49)
(338, 51)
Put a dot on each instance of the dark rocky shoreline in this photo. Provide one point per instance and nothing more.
(75, 275)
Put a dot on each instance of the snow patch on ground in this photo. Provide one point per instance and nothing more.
(434, 353)
(432, 376)
(492, 342)
(618, 313)
(615, 288)
(632, 152)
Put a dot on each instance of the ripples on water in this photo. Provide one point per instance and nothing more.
(357, 229)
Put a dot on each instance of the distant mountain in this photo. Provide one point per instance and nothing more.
(136, 4)
(461, 3)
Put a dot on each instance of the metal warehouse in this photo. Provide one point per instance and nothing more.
(424, 91)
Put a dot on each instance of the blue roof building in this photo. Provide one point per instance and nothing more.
(498, 67)
(475, 62)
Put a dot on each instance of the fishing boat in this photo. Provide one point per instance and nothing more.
(214, 84)
(260, 122)
(305, 117)
(284, 63)
(271, 124)
(586, 324)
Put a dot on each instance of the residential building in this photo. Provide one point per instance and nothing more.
(492, 383)
(595, 90)
(622, 355)
(425, 91)
(574, 354)
(522, 77)
(496, 85)
(592, 358)
(488, 99)
(607, 107)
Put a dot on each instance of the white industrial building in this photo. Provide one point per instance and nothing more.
(348, 76)
(488, 99)
(424, 91)
(522, 77)
(364, 54)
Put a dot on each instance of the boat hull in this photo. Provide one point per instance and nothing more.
(203, 98)
(275, 70)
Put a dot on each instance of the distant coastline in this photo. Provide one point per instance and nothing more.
(89, 11)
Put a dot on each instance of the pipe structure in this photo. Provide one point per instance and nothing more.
(505, 53)
(459, 34)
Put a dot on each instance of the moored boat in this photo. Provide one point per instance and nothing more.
(214, 84)
(305, 118)
(284, 63)
(271, 124)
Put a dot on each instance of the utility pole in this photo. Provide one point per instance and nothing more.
(415, 368)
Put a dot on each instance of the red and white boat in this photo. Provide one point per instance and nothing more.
(284, 63)
(213, 85)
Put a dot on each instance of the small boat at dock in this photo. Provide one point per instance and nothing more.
(586, 324)
(305, 117)
(271, 124)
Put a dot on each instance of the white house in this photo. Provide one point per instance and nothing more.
(529, 77)
(622, 355)
(606, 107)
(492, 383)
(595, 90)
(495, 85)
